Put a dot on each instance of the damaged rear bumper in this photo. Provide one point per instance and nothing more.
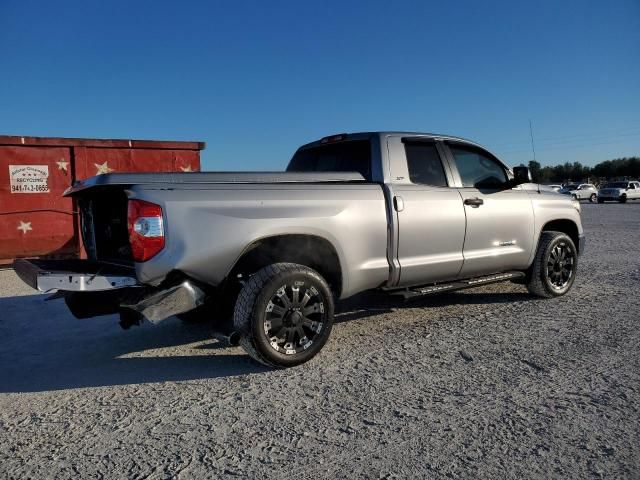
(160, 303)
(94, 288)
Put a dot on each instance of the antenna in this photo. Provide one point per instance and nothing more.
(533, 147)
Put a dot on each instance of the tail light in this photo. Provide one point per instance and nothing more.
(146, 230)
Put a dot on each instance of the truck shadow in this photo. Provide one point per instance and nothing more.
(374, 302)
(43, 347)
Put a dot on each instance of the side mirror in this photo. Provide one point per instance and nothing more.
(521, 175)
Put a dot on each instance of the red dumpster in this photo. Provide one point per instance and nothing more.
(35, 220)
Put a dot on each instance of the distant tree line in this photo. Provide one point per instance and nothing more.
(576, 172)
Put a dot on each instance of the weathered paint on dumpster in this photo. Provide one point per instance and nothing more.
(35, 220)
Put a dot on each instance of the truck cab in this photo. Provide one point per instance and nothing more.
(455, 209)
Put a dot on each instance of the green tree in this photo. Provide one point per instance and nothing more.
(536, 169)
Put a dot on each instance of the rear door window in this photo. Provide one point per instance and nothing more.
(424, 164)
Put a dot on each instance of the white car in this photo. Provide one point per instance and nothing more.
(581, 191)
(619, 192)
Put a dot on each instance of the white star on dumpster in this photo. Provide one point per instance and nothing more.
(186, 169)
(62, 165)
(103, 168)
(24, 226)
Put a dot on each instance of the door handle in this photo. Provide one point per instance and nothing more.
(474, 202)
(398, 203)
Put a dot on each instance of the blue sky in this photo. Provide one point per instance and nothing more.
(256, 79)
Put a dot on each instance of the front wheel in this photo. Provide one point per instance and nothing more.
(623, 199)
(554, 268)
(284, 314)
(593, 198)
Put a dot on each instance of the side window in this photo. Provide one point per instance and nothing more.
(424, 164)
(477, 169)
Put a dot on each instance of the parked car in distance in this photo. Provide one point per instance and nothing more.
(581, 191)
(619, 192)
(555, 187)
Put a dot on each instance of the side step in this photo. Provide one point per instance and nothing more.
(413, 292)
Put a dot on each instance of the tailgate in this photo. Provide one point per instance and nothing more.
(74, 275)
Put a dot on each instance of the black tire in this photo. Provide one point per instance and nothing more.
(623, 199)
(593, 198)
(600, 200)
(258, 314)
(547, 274)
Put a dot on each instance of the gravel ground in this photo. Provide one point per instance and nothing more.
(485, 383)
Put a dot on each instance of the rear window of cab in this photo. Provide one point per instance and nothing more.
(349, 156)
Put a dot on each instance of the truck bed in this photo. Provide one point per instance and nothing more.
(212, 219)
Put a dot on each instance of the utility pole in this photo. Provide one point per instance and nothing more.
(533, 148)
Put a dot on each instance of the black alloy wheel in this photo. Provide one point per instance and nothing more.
(554, 267)
(294, 317)
(560, 265)
(284, 314)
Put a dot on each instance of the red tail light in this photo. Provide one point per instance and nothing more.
(146, 229)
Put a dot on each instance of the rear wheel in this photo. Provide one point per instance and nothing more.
(554, 268)
(284, 314)
(593, 198)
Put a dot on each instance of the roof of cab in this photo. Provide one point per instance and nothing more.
(365, 135)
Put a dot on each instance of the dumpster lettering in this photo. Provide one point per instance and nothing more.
(29, 178)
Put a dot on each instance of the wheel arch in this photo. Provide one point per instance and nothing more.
(310, 250)
(569, 227)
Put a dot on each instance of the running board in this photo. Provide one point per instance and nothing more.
(413, 292)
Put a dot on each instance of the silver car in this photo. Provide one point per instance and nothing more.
(581, 191)
(619, 192)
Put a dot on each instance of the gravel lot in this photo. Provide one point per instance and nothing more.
(485, 383)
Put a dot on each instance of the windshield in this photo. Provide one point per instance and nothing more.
(350, 156)
(616, 185)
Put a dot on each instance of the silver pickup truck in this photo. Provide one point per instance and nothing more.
(408, 213)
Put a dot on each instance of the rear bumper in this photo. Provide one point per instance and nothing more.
(93, 288)
(74, 275)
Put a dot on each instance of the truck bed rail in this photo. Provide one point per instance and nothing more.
(205, 178)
